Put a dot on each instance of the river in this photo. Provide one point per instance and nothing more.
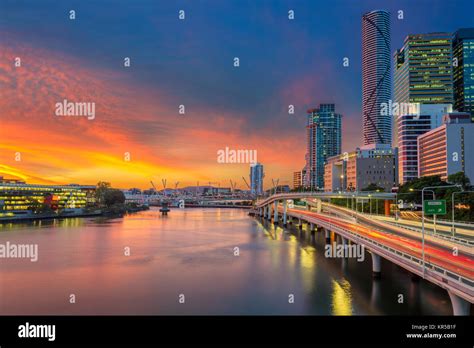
(197, 261)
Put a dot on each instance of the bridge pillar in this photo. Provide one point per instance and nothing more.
(376, 265)
(285, 207)
(460, 305)
(275, 212)
(386, 206)
(300, 224)
(312, 228)
(328, 235)
(267, 215)
(345, 242)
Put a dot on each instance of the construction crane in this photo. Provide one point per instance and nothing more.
(246, 183)
(163, 181)
(152, 184)
(275, 184)
(232, 187)
(176, 187)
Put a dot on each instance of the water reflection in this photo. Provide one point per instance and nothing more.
(192, 252)
(341, 298)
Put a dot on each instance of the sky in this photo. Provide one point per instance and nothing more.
(138, 134)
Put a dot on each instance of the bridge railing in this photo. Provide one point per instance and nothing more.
(318, 194)
(447, 275)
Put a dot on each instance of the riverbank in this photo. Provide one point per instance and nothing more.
(117, 210)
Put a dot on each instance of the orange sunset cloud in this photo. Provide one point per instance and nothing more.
(137, 134)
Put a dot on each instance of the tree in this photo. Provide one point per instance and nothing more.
(102, 188)
(113, 196)
(461, 179)
(373, 187)
(411, 190)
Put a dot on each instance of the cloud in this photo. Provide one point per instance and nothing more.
(129, 119)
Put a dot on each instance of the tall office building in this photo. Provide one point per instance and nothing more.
(422, 81)
(409, 127)
(448, 149)
(376, 77)
(324, 140)
(423, 70)
(463, 70)
(256, 179)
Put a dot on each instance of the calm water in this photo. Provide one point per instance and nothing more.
(191, 252)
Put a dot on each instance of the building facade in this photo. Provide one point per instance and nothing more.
(256, 179)
(423, 71)
(298, 179)
(17, 197)
(323, 141)
(463, 70)
(409, 127)
(448, 149)
(376, 77)
(371, 164)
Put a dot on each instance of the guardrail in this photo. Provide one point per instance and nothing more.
(446, 275)
(414, 229)
(438, 235)
(373, 195)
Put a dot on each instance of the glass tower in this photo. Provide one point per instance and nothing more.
(256, 179)
(324, 140)
(376, 77)
(463, 66)
(423, 69)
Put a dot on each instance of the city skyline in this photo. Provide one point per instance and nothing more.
(137, 112)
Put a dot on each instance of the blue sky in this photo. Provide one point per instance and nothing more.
(189, 62)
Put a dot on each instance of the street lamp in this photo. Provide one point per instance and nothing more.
(452, 203)
(423, 219)
(396, 201)
(422, 194)
(370, 205)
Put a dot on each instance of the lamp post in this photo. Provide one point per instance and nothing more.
(396, 201)
(370, 205)
(422, 207)
(453, 229)
(423, 219)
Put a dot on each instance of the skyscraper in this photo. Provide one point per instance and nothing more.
(256, 179)
(324, 140)
(423, 69)
(463, 66)
(423, 78)
(376, 77)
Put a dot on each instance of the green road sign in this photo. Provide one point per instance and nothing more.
(435, 207)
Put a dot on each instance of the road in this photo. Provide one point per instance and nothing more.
(462, 264)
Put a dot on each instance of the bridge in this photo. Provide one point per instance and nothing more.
(441, 261)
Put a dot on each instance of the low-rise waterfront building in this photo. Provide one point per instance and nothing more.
(18, 197)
